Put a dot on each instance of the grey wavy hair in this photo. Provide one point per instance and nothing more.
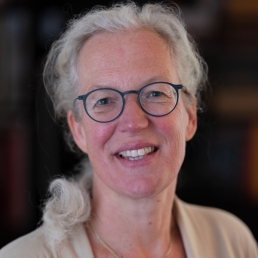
(60, 75)
(68, 205)
(70, 202)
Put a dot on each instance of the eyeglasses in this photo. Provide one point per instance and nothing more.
(157, 99)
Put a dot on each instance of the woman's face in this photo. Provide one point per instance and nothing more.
(128, 61)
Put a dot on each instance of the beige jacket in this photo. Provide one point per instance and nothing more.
(206, 233)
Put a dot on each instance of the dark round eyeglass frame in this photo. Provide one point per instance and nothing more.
(176, 87)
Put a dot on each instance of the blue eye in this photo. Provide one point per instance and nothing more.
(103, 101)
(104, 105)
(155, 94)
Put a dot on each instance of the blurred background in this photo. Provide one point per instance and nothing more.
(221, 165)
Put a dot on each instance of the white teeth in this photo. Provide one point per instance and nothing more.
(141, 152)
(136, 154)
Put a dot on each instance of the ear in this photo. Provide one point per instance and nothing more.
(78, 132)
(191, 109)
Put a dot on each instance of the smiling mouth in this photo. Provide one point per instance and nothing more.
(137, 154)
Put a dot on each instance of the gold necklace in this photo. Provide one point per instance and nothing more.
(107, 247)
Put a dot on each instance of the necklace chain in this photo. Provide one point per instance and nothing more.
(108, 248)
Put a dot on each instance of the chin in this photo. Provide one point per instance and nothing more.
(143, 188)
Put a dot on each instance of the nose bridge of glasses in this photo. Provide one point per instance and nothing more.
(130, 92)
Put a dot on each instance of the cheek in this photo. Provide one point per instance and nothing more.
(173, 131)
(173, 127)
(97, 135)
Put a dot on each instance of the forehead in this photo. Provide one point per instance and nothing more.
(125, 57)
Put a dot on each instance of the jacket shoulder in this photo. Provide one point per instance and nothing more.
(32, 245)
(220, 229)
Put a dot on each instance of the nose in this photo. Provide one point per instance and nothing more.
(133, 118)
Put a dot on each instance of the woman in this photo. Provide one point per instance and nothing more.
(128, 80)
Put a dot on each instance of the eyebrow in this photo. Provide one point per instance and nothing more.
(93, 87)
(145, 82)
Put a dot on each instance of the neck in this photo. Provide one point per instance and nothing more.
(134, 225)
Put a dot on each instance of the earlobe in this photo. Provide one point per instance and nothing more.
(77, 131)
(192, 120)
